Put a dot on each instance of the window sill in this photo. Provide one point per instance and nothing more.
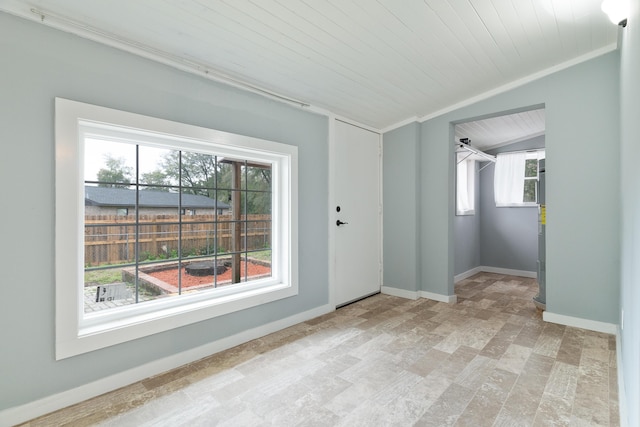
(518, 205)
(163, 316)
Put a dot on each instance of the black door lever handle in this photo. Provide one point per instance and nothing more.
(339, 223)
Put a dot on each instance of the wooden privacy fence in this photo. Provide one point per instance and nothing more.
(110, 239)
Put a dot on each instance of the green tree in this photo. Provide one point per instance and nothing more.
(258, 180)
(198, 173)
(115, 174)
(208, 176)
(157, 177)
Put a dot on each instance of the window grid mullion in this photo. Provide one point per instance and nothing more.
(180, 222)
(215, 223)
(137, 228)
(246, 229)
(140, 222)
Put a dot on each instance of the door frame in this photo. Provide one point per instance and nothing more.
(332, 202)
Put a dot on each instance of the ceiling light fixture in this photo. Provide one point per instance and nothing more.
(617, 10)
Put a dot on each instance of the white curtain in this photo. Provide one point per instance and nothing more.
(465, 199)
(508, 179)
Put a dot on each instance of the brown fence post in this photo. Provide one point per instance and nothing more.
(236, 229)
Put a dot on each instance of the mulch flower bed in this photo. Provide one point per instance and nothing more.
(170, 276)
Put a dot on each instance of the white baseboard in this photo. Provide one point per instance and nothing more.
(28, 411)
(403, 293)
(460, 277)
(509, 272)
(577, 322)
(496, 270)
(449, 299)
(622, 396)
(396, 292)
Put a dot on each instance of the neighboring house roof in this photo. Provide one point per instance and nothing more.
(103, 196)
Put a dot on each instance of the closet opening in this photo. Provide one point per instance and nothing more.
(500, 204)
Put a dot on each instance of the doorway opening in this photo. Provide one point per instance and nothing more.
(500, 215)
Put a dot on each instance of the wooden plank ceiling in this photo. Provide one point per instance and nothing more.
(377, 62)
(498, 131)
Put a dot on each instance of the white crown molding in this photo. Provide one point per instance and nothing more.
(400, 124)
(333, 116)
(86, 31)
(521, 82)
(89, 32)
(507, 87)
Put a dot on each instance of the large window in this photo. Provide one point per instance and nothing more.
(161, 224)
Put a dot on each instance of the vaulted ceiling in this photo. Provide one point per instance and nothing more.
(377, 62)
(502, 130)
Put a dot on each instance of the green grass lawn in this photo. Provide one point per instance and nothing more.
(103, 277)
(261, 255)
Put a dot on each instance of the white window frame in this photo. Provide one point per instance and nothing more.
(465, 184)
(533, 155)
(528, 155)
(77, 332)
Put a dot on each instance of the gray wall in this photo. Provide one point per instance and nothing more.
(39, 64)
(401, 207)
(437, 207)
(630, 146)
(582, 132)
(508, 236)
(466, 233)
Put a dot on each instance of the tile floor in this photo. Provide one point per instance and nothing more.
(489, 360)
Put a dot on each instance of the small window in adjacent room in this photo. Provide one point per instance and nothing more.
(530, 179)
(516, 178)
(157, 265)
(465, 185)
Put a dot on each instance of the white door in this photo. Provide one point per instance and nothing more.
(358, 205)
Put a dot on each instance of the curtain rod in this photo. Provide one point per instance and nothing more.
(489, 157)
(531, 150)
(146, 51)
